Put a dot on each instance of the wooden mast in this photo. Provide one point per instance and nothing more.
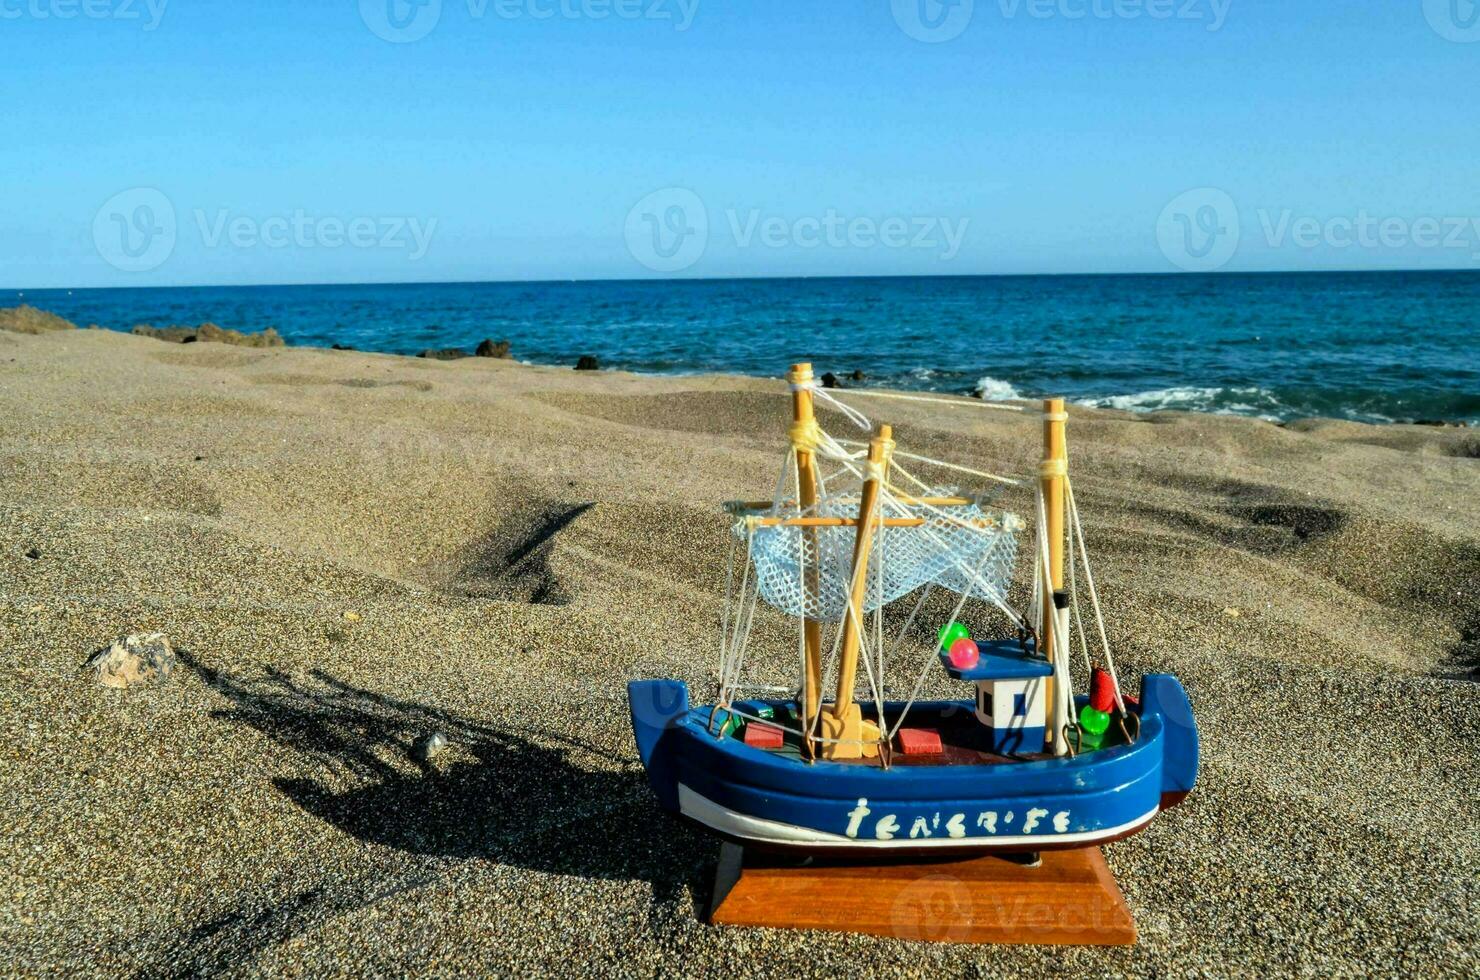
(844, 720)
(1054, 468)
(803, 438)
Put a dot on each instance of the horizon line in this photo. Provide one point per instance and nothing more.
(1220, 273)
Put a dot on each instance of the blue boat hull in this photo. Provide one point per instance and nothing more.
(769, 800)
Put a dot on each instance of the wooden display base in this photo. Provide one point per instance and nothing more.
(1069, 898)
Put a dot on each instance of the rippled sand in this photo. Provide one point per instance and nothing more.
(353, 550)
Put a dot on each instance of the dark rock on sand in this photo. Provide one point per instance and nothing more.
(342, 347)
(210, 333)
(35, 555)
(28, 319)
(173, 335)
(830, 380)
(490, 349)
(267, 338)
(588, 363)
(445, 354)
(132, 661)
(428, 747)
(1466, 448)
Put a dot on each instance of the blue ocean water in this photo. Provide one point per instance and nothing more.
(1369, 346)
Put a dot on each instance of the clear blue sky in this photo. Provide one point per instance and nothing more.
(1052, 142)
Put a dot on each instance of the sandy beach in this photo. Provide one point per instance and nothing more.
(353, 550)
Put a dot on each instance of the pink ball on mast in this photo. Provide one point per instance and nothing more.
(964, 653)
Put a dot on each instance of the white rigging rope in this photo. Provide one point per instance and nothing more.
(875, 648)
(1059, 656)
(724, 620)
(930, 657)
(1077, 622)
(1094, 596)
(942, 464)
(744, 621)
(854, 613)
(802, 571)
(819, 392)
(958, 402)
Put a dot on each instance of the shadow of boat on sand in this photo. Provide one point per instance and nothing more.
(515, 796)
(531, 799)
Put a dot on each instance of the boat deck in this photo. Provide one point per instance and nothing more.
(964, 741)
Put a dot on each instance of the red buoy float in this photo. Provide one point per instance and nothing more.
(1102, 691)
(964, 653)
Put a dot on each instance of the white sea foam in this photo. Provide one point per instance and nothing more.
(1219, 401)
(1151, 401)
(993, 390)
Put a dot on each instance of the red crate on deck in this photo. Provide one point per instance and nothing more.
(919, 741)
(759, 736)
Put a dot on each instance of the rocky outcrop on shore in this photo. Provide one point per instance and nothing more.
(210, 333)
(486, 348)
(28, 319)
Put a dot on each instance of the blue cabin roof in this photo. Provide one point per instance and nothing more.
(1001, 660)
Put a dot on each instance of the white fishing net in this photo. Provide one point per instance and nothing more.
(807, 571)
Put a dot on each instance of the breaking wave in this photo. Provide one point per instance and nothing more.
(995, 390)
(1254, 401)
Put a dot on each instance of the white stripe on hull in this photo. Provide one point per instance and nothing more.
(760, 830)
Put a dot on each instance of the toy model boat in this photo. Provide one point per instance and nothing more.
(1023, 765)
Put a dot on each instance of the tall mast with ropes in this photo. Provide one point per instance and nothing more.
(1054, 627)
(804, 442)
(849, 735)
